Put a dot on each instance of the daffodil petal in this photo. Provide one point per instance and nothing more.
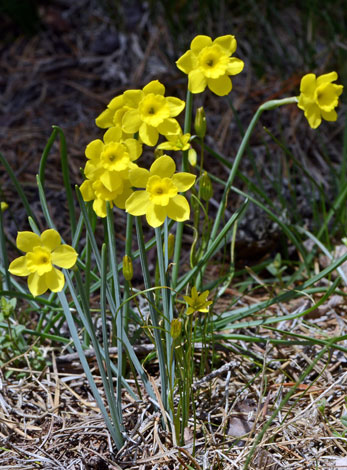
(131, 121)
(137, 203)
(163, 166)
(176, 105)
(155, 215)
(112, 181)
(329, 116)
(94, 149)
(199, 42)
(132, 98)
(55, 280)
(178, 208)
(148, 134)
(116, 102)
(134, 147)
(166, 146)
(64, 256)
(327, 97)
(228, 42)
(313, 115)
(87, 191)
(120, 200)
(99, 207)
(105, 119)
(37, 284)
(154, 87)
(183, 181)
(327, 78)
(220, 86)
(50, 239)
(18, 267)
(139, 177)
(169, 127)
(113, 134)
(187, 62)
(196, 81)
(308, 84)
(27, 240)
(235, 66)
(90, 169)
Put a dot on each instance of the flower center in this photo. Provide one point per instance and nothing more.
(160, 190)
(39, 260)
(114, 157)
(154, 109)
(213, 61)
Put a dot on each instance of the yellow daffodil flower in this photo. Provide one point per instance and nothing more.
(42, 254)
(150, 113)
(4, 206)
(319, 97)
(176, 142)
(146, 111)
(160, 199)
(197, 302)
(113, 114)
(209, 63)
(107, 170)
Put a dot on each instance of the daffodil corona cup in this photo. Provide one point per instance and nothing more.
(172, 195)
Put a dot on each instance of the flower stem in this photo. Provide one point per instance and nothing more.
(153, 313)
(185, 166)
(166, 297)
(264, 107)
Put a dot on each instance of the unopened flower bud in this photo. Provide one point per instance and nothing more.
(170, 245)
(176, 328)
(200, 123)
(128, 271)
(206, 190)
(192, 156)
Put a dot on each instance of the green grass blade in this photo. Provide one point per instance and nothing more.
(18, 187)
(44, 156)
(66, 179)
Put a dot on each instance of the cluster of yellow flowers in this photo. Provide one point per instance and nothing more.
(138, 117)
(135, 118)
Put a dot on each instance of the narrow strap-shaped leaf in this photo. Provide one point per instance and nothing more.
(116, 436)
(66, 179)
(17, 186)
